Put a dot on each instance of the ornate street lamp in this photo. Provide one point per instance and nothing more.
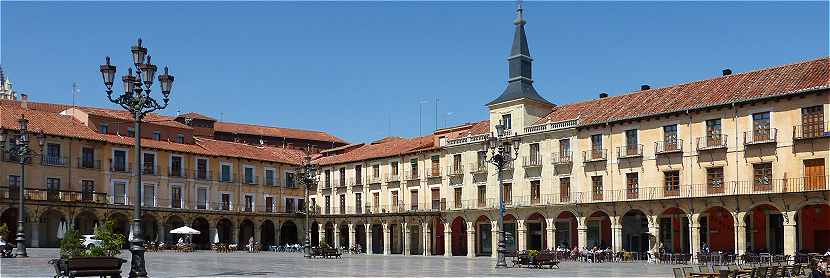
(308, 176)
(23, 154)
(501, 155)
(136, 99)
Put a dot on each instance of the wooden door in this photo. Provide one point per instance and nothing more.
(814, 178)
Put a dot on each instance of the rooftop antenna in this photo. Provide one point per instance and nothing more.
(75, 90)
(436, 113)
(221, 116)
(420, 117)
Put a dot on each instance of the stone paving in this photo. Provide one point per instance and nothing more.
(268, 264)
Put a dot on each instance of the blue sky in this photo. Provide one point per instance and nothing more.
(360, 70)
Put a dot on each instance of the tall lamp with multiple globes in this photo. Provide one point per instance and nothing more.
(22, 154)
(309, 178)
(136, 100)
(501, 155)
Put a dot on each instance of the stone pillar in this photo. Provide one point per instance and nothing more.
(551, 231)
(368, 238)
(495, 238)
(32, 234)
(581, 232)
(471, 240)
(336, 236)
(405, 241)
(234, 233)
(427, 235)
(387, 239)
(617, 237)
(447, 240)
(740, 233)
(257, 233)
(521, 238)
(160, 233)
(211, 231)
(321, 234)
(790, 237)
(352, 236)
(694, 235)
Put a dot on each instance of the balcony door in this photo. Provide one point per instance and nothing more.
(814, 174)
(812, 121)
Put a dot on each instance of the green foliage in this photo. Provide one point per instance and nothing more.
(71, 244)
(4, 231)
(533, 253)
(110, 242)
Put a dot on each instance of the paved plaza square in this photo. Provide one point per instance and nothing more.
(267, 264)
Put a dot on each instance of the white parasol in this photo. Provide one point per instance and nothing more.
(216, 238)
(185, 230)
(61, 230)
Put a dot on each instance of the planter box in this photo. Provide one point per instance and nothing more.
(88, 266)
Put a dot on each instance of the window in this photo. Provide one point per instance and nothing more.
(714, 179)
(713, 133)
(270, 177)
(148, 164)
(456, 163)
(343, 176)
(130, 132)
(149, 198)
(249, 175)
(358, 202)
(565, 146)
(632, 144)
(87, 190)
(812, 122)
(289, 205)
(342, 203)
(14, 181)
(201, 198)
(119, 161)
(507, 122)
(119, 195)
(87, 158)
(53, 154)
(508, 193)
(289, 180)
(436, 198)
(394, 166)
(358, 174)
(104, 128)
(413, 168)
(761, 126)
(535, 158)
(670, 138)
(436, 166)
(376, 200)
(671, 182)
(201, 169)
(180, 138)
(53, 185)
(269, 204)
(176, 166)
(762, 176)
(413, 199)
(481, 158)
(457, 197)
(176, 197)
(226, 201)
(156, 135)
(328, 178)
(225, 173)
(328, 205)
(596, 146)
(596, 187)
(632, 184)
(249, 203)
(376, 171)
(535, 192)
(565, 189)
(482, 195)
(394, 199)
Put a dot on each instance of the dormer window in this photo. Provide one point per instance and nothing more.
(506, 121)
(156, 135)
(130, 132)
(180, 138)
(103, 128)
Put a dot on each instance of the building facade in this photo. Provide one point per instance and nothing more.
(737, 163)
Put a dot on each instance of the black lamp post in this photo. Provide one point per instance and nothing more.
(137, 100)
(21, 151)
(500, 156)
(308, 176)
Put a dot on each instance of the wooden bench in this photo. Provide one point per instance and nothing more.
(331, 253)
(88, 267)
(546, 259)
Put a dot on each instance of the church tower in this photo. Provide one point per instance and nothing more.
(519, 105)
(6, 91)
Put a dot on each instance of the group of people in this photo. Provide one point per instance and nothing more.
(5, 248)
(820, 268)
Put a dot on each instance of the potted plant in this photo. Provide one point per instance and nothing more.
(100, 258)
(531, 255)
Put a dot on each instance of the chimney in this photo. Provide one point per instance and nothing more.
(603, 95)
(24, 101)
(644, 87)
(726, 72)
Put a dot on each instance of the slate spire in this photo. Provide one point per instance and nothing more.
(520, 65)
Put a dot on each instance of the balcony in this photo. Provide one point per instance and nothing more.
(533, 161)
(252, 180)
(668, 146)
(434, 173)
(456, 170)
(761, 136)
(13, 193)
(176, 173)
(595, 155)
(374, 180)
(355, 181)
(478, 168)
(202, 175)
(58, 161)
(121, 168)
(229, 178)
(393, 178)
(711, 142)
(811, 131)
(632, 193)
(341, 183)
(630, 151)
(88, 164)
(150, 170)
(411, 176)
(563, 158)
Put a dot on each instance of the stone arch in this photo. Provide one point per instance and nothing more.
(9, 217)
(343, 234)
(510, 227)
(85, 222)
(246, 231)
(535, 231)
(483, 228)
(202, 240)
(315, 233)
(674, 230)
(121, 224)
(717, 229)
(50, 221)
(635, 231)
(765, 229)
(360, 235)
(328, 233)
(566, 229)
(813, 222)
(288, 233)
(599, 229)
(267, 233)
(458, 236)
(173, 222)
(224, 227)
(150, 228)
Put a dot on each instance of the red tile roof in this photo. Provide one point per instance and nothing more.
(50, 123)
(95, 111)
(194, 115)
(263, 153)
(769, 82)
(468, 129)
(238, 128)
(387, 147)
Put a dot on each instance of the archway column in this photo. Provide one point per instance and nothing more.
(386, 239)
(34, 232)
(211, 231)
(405, 241)
(740, 233)
(336, 238)
(694, 234)
(582, 233)
(161, 235)
(447, 240)
(550, 233)
(321, 234)
(352, 236)
(521, 231)
(617, 237)
(368, 230)
(495, 238)
(471, 240)
(790, 233)
(427, 239)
